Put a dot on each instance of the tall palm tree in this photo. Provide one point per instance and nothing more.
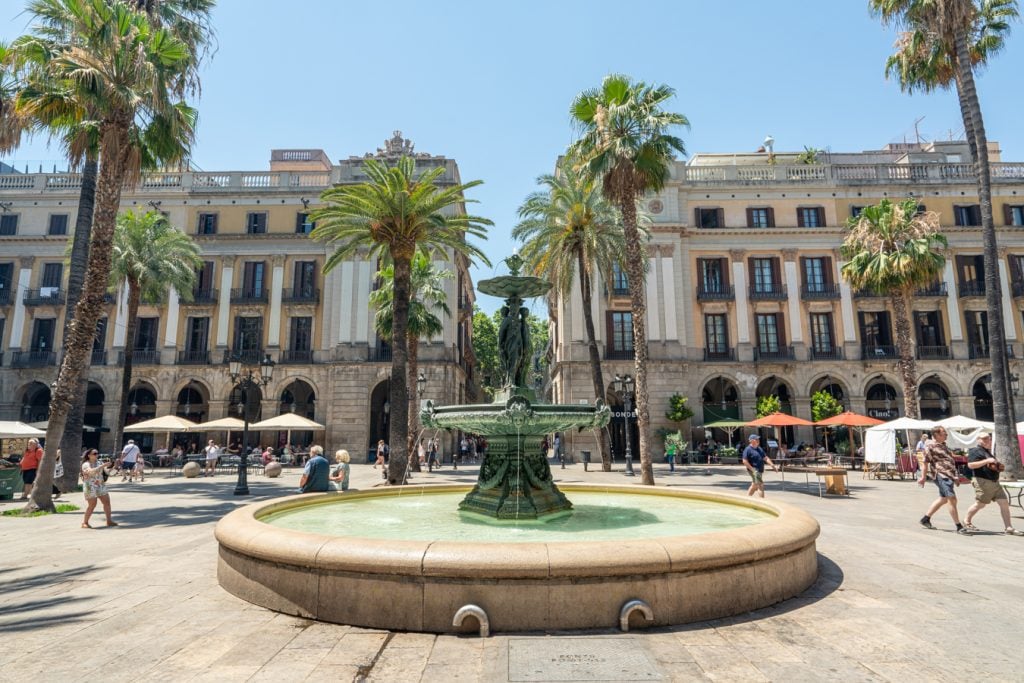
(944, 41)
(569, 229)
(126, 73)
(426, 296)
(893, 249)
(395, 214)
(150, 256)
(625, 145)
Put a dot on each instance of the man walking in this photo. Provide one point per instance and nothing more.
(939, 460)
(986, 484)
(754, 459)
(129, 456)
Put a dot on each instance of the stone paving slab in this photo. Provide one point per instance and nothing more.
(891, 599)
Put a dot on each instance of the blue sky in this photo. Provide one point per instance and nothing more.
(489, 84)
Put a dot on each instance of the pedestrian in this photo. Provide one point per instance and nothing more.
(129, 455)
(463, 452)
(94, 486)
(340, 475)
(921, 442)
(140, 468)
(558, 447)
(380, 454)
(432, 455)
(939, 459)
(212, 452)
(29, 465)
(58, 472)
(421, 453)
(986, 471)
(316, 474)
(754, 459)
(670, 456)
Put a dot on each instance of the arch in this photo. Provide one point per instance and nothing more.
(831, 384)
(192, 402)
(141, 406)
(882, 400)
(299, 397)
(379, 415)
(933, 397)
(773, 385)
(983, 409)
(247, 403)
(720, 399)
(35, 402)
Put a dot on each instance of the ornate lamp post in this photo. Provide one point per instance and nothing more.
(421, 385)
(624, 387)
(247, 378)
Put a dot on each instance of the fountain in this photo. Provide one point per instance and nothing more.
(512, 553)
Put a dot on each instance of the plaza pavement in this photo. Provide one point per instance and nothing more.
(140, 602)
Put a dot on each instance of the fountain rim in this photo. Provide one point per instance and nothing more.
(787, 530)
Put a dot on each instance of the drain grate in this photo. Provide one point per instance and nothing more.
(579, 659)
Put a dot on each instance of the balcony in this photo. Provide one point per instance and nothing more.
(979, 351)
(620, 291)
(1018, 291)
(826, 353)
(247, 356)
(5, 295)
(297, 356)
(301, 295)
(721, 355)
(878, 352)
(867, 294)
(819, 292)
(933, 353)
(202, 297)
(141, 357)
(33, 359)
(99, 357)
(846, 174)
(193, 357)
(971, 288)
(379, 354)
(249, 295)
(781, 353)
(45, 296)
(935, 289)
(715, 293)
(618, 354)
(772, 291)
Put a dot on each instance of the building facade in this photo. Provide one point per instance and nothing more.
(745, 297)
(261, 290)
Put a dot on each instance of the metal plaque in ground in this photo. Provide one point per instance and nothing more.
(579, 659)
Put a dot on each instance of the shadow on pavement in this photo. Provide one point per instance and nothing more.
(44, 579)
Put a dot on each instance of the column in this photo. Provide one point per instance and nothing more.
(365, 278)
(575, 312)
(653, 308)
(846, 308)
(276, 285)
(956, 332)
(18, 319)
(332, 299)
(1009, 323)
(796, 332)
(120, 321)
(171, 329)
(345, 303)
(668, 282)
(739, 279)
(227, 272)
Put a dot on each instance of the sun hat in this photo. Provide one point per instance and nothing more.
(754, 436)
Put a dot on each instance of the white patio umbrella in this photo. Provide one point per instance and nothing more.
(19, 430)
(962, 423)
(289, 422)
(224, 424)
(167, 424)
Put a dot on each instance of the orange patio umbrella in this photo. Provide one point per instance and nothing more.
(777, 420)
(850, 419)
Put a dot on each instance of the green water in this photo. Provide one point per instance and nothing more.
(596, 516)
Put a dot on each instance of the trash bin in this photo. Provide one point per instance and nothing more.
(10, 482)
(586, 460)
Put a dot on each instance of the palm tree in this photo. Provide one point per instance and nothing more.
(150, 256)
(894, 249)
(944, 41)
(125, 72)
(625, 146)
(426, 296)
(395, 214)
(570, 229)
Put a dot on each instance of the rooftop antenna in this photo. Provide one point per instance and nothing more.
(917, 133)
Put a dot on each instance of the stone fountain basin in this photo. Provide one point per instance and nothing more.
(419, 586)
(486, 418)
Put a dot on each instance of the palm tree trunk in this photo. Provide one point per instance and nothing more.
(1007, 450)
(587, 294)
(71, 441)
(636, 258)
(134, 299)
(907, 364)
(399, 389)
(78, 345)
(414, 417)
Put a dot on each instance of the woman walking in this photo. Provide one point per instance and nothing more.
(94, 474)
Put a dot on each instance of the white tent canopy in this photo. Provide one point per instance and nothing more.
(165, 424)
(963, 423)
(19, 430)
(902, 423)
(288, 421)
(231, 424)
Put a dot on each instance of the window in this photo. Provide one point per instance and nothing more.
(305, 278)
(855, 211)
(100, 340)
(929, 328)
(971, 270)
(967, 215)
(761, 218)
(6, 284)
(768, 332)
(620, 335)
(810, 217)
(42, 334)
(256, 223)
(821, 332)
(303, 226)
(713, 278)
(146, 334)
(248, 333)
(9, 224)
(53, 273)
(252, 278)
(58, 224)
(875, 330)
(204, 278)
(620, 283)
(763, 274)
(815, 276)
(1013, 214)
(709, 218)
(198, 334)
(207, 224)
(716, 334)
(301, 338)
(977, 329)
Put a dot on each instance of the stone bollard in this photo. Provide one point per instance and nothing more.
(272, 470)
(191, 470)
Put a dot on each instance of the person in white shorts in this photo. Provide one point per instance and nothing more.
(211, 458)
(129, 456)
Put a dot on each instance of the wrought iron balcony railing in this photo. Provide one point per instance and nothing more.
(773, 291)
(33, 359)
(713, 293)
(780, 353)
(194, 357)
